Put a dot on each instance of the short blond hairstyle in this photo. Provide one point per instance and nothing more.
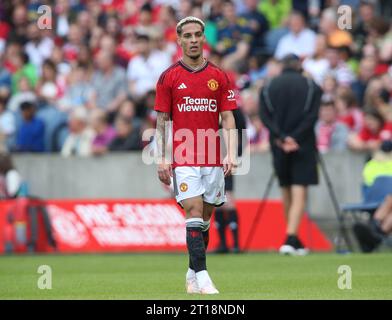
(187, 20)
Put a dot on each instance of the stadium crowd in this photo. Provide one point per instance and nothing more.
(86, 86)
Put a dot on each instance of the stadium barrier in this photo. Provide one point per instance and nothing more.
(86, 226)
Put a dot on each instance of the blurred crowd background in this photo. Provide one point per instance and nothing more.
(87, 85)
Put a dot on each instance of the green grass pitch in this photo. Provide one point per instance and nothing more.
(161, 276)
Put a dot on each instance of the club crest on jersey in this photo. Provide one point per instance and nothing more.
(183, 187)
(213, 84)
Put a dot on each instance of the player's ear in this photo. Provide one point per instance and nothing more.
(179, 40)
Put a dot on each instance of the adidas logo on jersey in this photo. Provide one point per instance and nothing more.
(182, 86)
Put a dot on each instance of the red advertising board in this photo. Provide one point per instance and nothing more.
(152, 225)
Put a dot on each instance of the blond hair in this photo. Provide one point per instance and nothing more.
(187, 20)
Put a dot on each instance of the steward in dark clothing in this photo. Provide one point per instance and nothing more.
(289, 106)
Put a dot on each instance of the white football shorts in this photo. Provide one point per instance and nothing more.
(209, 182)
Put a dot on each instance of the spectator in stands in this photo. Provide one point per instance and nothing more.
(145, 23)
(7, 127)
(86, 22)
(257, 133)
(257, 23)
(168, 22)
(128, 111)
(108, 44)
(30, 135)
(276, 12)
(84, 58)
(145, 68)
(5, 77)
(127, 47)
(234, 37)
(74, 42)
(341, 71)
(113, 27)
(39, 46)
(317, 65)
(109, 83)
(127, 138)
(80, 138)
(380, 35)
(346, 55)
(63, 17)
(18, 31)
(147, 110)
(377, 97)
(336, 36)
(79, 90)
(23, 68)
(94, 42)
(366, 72)
(361, 30)
(49, 78)
(300, 40)
(104, 132)
(331, 134)
(370, 137)
(25, 93)
(62, 66)
(329, 87)
(348, 110)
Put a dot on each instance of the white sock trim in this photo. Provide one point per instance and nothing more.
(194, 220)
(206, 225)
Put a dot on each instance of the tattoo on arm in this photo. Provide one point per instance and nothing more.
(162, 119)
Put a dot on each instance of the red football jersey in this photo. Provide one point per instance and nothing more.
(194, 99)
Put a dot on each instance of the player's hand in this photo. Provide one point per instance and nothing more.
(165, 172)
(228, 166)
(290, 145)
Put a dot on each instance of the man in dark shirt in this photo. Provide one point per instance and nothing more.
(289, 109)
(30, 136)
(258, 24)
(128, 137)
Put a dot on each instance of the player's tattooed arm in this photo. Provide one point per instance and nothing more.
(162, 119)
(164, 167)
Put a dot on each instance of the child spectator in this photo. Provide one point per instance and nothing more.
(331, 134)
(348, 111)
(31, 134)
(371, 135)
(104, 133)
